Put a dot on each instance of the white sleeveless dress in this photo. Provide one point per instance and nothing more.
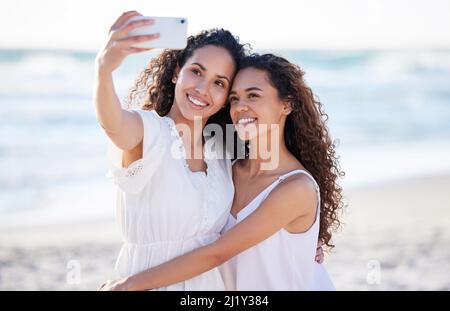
(284, 261)
(164, 209)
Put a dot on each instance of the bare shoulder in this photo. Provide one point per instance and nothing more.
(297, 193)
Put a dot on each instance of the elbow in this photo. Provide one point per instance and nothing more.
(109, 129)
(105, 129)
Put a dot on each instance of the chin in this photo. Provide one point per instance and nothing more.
(247, 132)
(191, 115)
(247, 135)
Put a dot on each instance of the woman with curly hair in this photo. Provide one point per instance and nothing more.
(169, 201)
(278, 214)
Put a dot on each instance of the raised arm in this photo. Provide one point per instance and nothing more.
(123, 127)
(292, 199)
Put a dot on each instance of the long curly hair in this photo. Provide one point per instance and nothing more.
(306, 135)
(154, 89)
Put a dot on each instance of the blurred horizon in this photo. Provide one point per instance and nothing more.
(386, 107)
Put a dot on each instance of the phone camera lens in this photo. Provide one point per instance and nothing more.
(182, 21)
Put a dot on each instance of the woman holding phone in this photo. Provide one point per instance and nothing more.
(170, 201)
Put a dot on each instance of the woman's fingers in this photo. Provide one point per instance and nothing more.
(120, 45)
(102, 285)
(123, 19)
(123, 32)
(319, 254)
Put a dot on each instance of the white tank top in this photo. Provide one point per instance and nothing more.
(284, 261)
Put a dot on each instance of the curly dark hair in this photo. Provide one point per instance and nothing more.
(306, 135)
(154, 89)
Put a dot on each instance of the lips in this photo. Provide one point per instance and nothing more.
(196, 103)
(245, 121)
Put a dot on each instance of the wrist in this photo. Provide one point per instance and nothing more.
(130, 283)
(101, 70)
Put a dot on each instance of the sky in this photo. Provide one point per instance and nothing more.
(280, 24)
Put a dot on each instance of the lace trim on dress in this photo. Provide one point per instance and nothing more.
(211, 182)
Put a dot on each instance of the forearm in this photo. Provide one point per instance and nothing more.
(176, 270)
(107, 105)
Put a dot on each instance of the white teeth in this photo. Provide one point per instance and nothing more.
(246, 120)
(197, 102)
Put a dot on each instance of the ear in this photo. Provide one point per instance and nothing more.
(287, 108)
(175, 75)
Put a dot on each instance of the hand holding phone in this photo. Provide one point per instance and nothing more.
(172, 32)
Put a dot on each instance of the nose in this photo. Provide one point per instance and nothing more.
(240, 105)
(202, 88)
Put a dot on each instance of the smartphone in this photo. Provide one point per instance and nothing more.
(172, 32)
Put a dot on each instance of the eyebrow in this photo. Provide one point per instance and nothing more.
(219, 76)
(248, 90)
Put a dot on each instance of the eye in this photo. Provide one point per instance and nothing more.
(220, 83)
(196, 72)
(232, 99)
(253, 95)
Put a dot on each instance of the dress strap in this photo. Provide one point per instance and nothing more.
(283, 177)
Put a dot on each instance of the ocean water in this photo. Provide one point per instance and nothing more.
(388, 110)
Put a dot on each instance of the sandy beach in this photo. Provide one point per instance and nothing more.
(59, 257)
(395, 237)
(399, 229)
